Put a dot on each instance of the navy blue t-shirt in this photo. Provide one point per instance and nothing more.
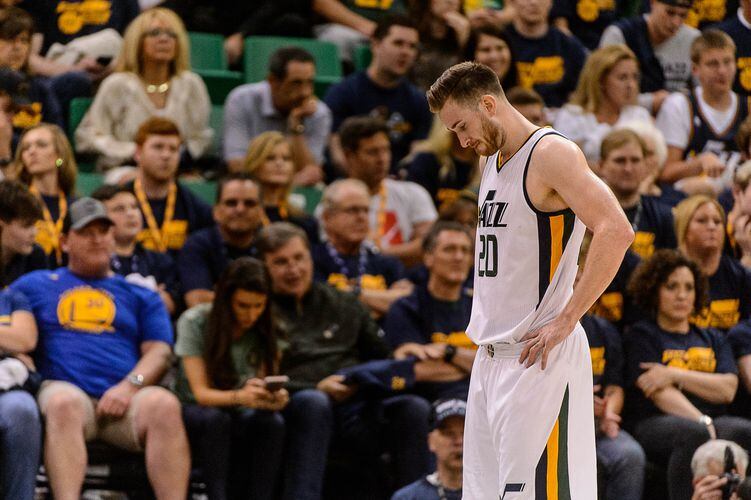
(739, 338)
(606, 351)
(703, 350)
(22, 264)
(705, 13)
(191, 214)
(64, 21)
(614, 304)
(303, 221)
(425, 170)
(550, 65)
(404, 108)
(44, 107)
(587, 19)
(147, 263)
(422, 319)
(423, 490)
(653, 225)
(741, 35)
(381, 271)
(204, 257)
(729, 296)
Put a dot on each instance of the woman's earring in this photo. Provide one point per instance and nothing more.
(59, 162)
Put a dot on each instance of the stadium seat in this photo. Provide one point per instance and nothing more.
(361, 57)
(258, 50)
(207, 51)
(88, 182)
(206, 190)
(216, 122)
(78, 108)
(219, 83)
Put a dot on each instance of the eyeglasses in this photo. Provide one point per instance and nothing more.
(232, 203)
(157, 32)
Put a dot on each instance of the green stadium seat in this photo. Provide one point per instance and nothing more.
(258, 50)
(88, 182)
(78, 108)
(312, 196)
(206, 190)
(207, 51)
(219, 83)
(361, 57)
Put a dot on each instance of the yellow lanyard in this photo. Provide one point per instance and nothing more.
(380, 230)
(55, 227)
(157, 234)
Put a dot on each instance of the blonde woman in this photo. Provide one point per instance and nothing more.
(269, 161)
(44, 161)
(604, 97)
(152, 77)
(441, 165)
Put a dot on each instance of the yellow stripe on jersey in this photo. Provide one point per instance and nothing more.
(552, 447)
(556, 242)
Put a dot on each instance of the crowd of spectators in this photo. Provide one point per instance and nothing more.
(273, 349)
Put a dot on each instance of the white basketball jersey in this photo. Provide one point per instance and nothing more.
(525, 259)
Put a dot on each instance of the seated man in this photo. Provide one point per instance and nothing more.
(401, 212)
(547, 60)
(329, 331)
(446, 441)
(209, 251)
(285, 103)
(103, 344)
(430, 322)
(709, 465)
(700, 128)
(140, 266)
(170, 210)
(345, 260)
(738, 27)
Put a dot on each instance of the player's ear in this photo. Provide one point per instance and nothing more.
(488, 104)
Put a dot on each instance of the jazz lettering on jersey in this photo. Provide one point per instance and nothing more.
(492, 212)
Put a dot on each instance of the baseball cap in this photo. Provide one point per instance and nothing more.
(445, 408)
(686, 4)
(15, 86)
(381, 376)
(85, 211)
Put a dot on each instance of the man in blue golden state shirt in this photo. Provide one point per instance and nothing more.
(103, 344)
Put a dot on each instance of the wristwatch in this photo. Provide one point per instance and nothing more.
(135, 379)
(449, 353)
(298, 129)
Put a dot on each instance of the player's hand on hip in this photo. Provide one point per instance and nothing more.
(541, 341)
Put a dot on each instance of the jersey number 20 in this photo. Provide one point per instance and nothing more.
(488, 265)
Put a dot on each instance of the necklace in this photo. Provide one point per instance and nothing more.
(157, 89)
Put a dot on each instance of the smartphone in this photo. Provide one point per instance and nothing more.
(275, 382)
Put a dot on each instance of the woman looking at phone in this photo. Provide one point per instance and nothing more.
(226, 349)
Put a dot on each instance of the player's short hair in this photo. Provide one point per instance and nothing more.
(356, 128)
(464, 83)
(431, 239)
(17, 203)
(650, 275)
(709, 40)
(618, 138)
(519, 96)
(156, 125)
(384, 26)
(274, 236)
(109, 191)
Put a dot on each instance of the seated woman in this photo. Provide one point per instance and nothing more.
(44, 161)
(153, 77)
(700, 232)
(441, 165)
(226, 348)
(604, 98)
(680, 377)
(488, 45)
(444, 31)
(19, 213)
(20, 425)
(269, 161)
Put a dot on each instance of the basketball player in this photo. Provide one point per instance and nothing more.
(530, 426)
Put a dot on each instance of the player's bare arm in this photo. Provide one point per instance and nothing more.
(559, 177)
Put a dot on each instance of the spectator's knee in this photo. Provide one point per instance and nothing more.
(313, 402)
(20, 409)
(64, 409)
(160, 408)
(633, 454)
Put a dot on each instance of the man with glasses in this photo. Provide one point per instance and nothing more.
(207, 253)
(345, 260)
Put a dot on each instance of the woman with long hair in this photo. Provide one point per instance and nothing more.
(489, 45)
(604, 98)
(44, 161)
(680, 377)
(269, 161)
(152, 77)
(700, 232)
(226, 348)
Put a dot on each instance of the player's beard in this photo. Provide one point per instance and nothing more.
(492, 136)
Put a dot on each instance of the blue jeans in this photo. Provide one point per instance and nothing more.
(20, 444)
(623, 461)
(309, 417)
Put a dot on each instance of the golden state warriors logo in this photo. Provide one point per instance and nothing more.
(75, 15)
(86, 309)
(706, 11)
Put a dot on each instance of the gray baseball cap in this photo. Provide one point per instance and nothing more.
(85, 211)
(445, 408)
